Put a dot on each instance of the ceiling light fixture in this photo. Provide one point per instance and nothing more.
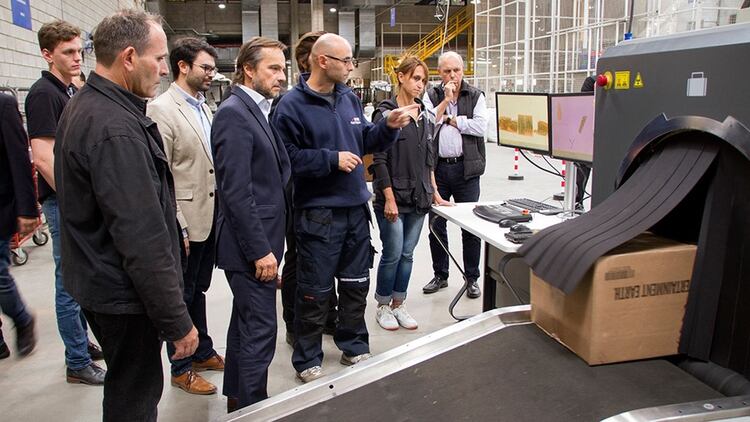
(332, 10)
(222, 6)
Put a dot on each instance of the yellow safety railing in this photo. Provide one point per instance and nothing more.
(429, 44)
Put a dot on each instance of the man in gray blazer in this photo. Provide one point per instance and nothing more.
(184, 121)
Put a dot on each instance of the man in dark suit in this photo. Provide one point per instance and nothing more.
(252, 169)
(17, 210)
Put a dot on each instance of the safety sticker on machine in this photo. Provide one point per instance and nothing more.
(638, 82)
(622, 79)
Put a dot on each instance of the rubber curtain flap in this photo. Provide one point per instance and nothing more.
(562, 254)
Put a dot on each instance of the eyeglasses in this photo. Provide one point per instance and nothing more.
(345, 60)
(207, 68)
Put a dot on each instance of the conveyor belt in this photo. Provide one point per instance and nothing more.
(516, 373)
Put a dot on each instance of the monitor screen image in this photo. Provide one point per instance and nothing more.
(572, 126)
(522, 121)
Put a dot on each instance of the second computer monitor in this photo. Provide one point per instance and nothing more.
(572, 126)
(523, 121)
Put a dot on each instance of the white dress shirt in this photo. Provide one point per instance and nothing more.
(450, 143)
(196, 104)
(263, 103)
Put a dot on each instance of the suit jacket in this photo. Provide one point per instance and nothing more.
(189, 159)
(17, 197)
(252, 168)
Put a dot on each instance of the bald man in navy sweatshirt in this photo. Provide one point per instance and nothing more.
(326, 134)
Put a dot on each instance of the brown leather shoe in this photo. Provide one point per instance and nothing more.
(233, 404)
(214, 363)
(193, 383)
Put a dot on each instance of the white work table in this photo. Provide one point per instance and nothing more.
(494, 245)
(462, 215)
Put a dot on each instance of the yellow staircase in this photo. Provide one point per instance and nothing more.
(458, 22)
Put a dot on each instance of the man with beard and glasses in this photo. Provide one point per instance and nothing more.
(184, 121)
(252, 169)
(326, 134)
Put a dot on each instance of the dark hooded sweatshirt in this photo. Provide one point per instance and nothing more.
(314, 131)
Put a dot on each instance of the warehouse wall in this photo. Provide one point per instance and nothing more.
(208, 18)
(20, 59)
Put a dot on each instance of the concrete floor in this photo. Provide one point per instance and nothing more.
(34, 388)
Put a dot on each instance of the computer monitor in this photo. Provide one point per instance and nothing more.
(523, 120)
(571, 126)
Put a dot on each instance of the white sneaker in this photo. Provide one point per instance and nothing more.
(404, 319)
(351, 360)
(385, 318)
(310, 374)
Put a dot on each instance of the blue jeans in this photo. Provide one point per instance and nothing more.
(399, 240)
(70, 320)
(10, 301)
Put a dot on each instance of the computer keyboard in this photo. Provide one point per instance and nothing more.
(498, 212)
(533, 206)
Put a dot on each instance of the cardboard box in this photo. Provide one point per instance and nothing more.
(629, 306)
(367, 162)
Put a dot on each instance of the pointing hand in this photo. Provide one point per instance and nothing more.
(401, 117)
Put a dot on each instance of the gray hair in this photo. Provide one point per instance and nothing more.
(447, 54)
(123, 29)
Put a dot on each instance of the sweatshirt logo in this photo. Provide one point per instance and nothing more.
(355, 121)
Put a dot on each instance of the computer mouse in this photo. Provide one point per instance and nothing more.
(507, 223)
(520, 228)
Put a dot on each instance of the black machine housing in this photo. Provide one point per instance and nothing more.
(676, 83)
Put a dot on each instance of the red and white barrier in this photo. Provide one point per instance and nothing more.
(516, 175)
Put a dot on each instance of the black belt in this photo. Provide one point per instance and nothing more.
(450, 160)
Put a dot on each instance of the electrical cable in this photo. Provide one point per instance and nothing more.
(551, 166)
(537, 165)
(630, 18)
(553, 172)
(465, 287)
(445, 27)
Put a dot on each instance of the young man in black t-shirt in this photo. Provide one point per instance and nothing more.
(60, 44)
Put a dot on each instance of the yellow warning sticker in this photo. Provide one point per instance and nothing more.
(622, 79)
(638, 82)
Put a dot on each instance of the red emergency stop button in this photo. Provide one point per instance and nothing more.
(605, 80)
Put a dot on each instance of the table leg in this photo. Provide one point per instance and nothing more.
(460, 293)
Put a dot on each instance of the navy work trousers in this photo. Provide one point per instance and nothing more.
(331, 242)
